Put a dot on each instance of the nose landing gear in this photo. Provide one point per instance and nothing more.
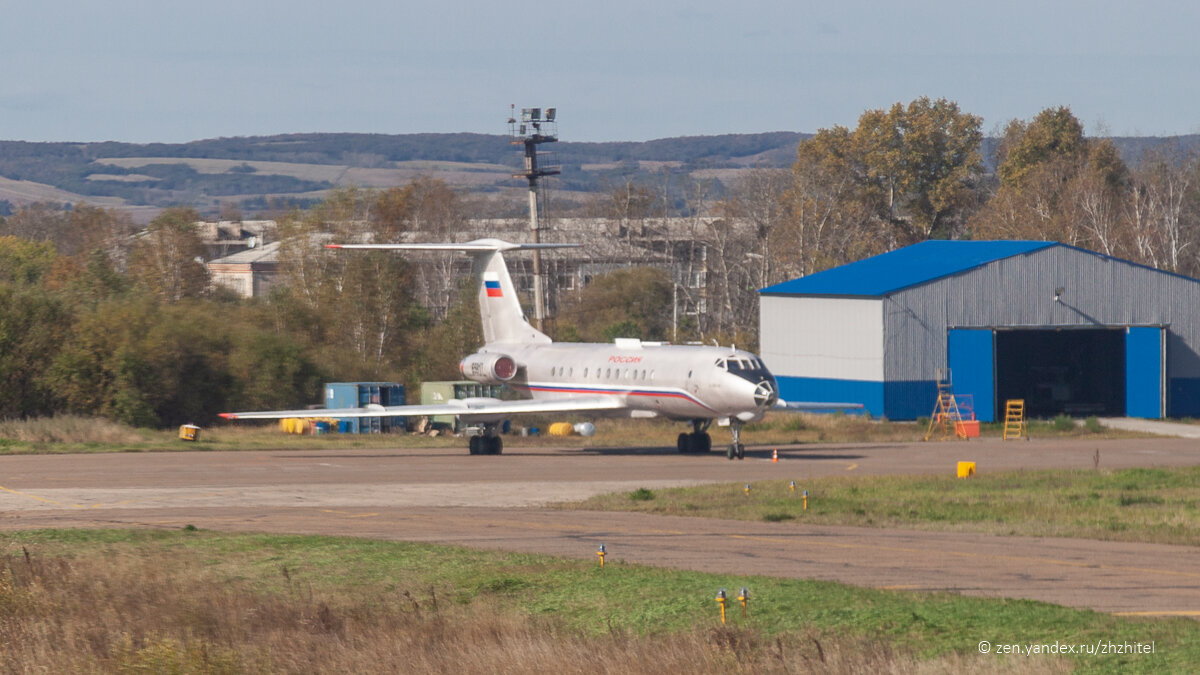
(736, 449)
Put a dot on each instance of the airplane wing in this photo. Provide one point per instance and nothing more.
(815, 406)
(483, 409)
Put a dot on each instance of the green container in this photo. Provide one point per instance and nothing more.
(435, 393)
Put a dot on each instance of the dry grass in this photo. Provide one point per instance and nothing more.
(68, 429)
(169, 613)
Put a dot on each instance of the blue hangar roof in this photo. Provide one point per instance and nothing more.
(909, 266)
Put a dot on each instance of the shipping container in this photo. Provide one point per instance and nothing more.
(433, 393)
(360, 395)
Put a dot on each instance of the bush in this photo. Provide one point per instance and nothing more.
(641, 495)
(1093, 425)
(1063, 423)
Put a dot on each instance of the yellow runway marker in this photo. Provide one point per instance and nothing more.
(41, 499)
(166, 498)
(852, 467)
(348, 514)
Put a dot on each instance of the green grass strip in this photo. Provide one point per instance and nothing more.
(1134, 505)
(645, 600)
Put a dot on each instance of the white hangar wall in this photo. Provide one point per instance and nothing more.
(827, 349)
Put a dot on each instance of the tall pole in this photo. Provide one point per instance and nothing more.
(533, 130)
(531, 172)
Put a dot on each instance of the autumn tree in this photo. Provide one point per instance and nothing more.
(168, 259)
(75, 231)
(33, 323)
(1057, 185)
(628, 303)
(1163, 211)
(923, 163)
(904, 174)
(357, 305)
(830, 218)
(758, 198)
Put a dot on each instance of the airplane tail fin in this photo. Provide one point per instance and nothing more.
(499, 307)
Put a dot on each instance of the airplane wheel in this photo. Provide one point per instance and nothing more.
(684, 443)
(495, 445)
(731, 452)
(741, 451)
(701, 442)
(473, 445)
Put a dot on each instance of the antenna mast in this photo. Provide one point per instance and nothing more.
(531, 130)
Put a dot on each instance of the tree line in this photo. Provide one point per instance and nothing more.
(99, 317)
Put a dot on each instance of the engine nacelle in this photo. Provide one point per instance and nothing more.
(488, 368)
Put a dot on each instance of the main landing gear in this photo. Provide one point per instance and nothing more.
(698, 440)
(487, 443)
(736, 449)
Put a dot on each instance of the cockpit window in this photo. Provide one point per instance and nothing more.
(751, 369)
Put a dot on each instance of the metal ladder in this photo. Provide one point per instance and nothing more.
(946, 420)
(1014, 419)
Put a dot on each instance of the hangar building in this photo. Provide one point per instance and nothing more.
(1067, 330)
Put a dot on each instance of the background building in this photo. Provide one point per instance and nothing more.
(1068, 330)
(250, 273)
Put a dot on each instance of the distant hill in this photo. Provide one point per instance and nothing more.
(297, 169)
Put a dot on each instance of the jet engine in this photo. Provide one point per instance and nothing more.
(488, 368)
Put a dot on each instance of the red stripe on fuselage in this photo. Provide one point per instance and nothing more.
(615, 392)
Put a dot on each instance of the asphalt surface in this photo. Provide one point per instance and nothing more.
(500, 502)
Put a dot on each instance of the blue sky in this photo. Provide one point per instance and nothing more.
(164, 70)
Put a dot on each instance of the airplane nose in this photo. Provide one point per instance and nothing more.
(765, 395)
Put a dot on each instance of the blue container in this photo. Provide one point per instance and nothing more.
(361, 394)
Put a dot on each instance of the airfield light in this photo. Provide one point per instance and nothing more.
(805, 500)
(601, 553)
(747, 489)
(792, 486)
(744, 597)
(721, 602)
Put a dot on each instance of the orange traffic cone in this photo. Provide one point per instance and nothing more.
(775, 455)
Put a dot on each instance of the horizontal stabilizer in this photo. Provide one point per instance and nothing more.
(816, 406)
(477, 246)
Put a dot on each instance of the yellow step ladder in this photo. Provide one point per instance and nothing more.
(1014, 419)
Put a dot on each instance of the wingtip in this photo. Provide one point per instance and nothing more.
(228, 416)
(333, 245)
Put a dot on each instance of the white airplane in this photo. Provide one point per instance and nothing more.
(629, 378)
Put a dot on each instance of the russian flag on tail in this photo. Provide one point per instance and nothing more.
(491, 282)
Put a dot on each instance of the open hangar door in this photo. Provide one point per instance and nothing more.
(1082, 371)
(1075, 371)
(1109, 371)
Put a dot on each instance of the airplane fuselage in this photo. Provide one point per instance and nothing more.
(681, 382)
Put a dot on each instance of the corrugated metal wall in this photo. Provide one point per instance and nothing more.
(848, 346)
(1019, 291)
